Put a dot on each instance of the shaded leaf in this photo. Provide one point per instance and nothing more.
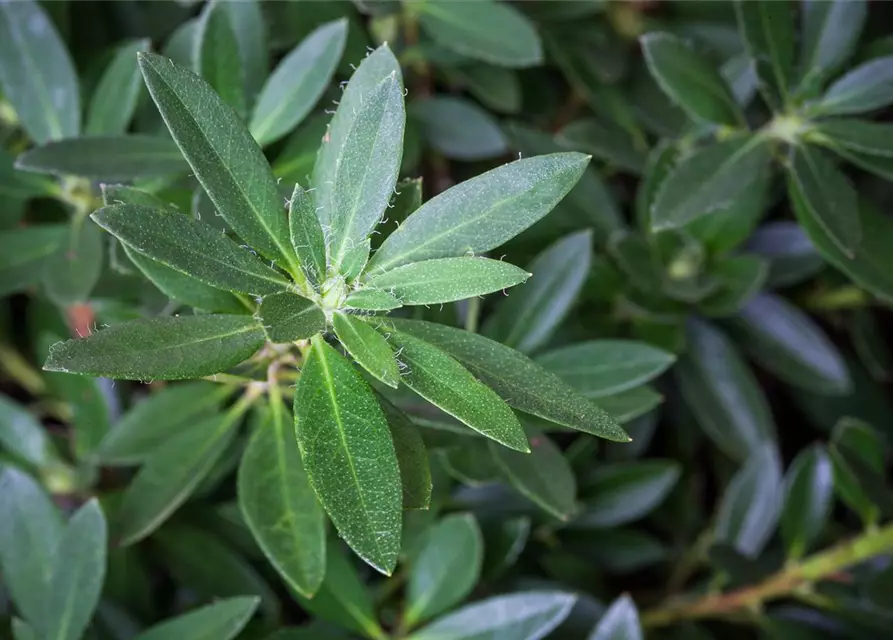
(829, 36)
(114, 100)
(868, 87)
(287, 317)
(415, 473)
(367, 347)
(606, 142)
(70, 274)
(459, 129)
(222, 620)
(809, 486)
(372, 300)
(22, 435)
(307, 235)
(769, 35)
(215, 55)
(792, 257)
(620, 622)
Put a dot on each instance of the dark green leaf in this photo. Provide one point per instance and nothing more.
(298, 82)
(23, 253)
(37, 74)
(480, 214)
(367, 347)
(486, 30)
(626, 492)
(372, 300)
(857, 456)
(690, 80)
(295, 163)
(620, 622)
(306, 234)
(21, 631)
(768, 31)
(829, 35)
(868, 87)
(222, 620)
(160, 348)
(355, 260)
(247, 22)
(115, 98)
(215, 55)
(224, 157)
(22, 435)
(278, 503)
(496, 88)
(606, 142)
(347, 451)
(660, 163)
(415, 473)
(459, 129)
(740, 278)
(472, 463)
(860, 136)
(809, 487)
(792, 257)
(70, 274)
(287, 317)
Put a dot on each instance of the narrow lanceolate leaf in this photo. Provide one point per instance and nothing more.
(115, 98)
(446, 569)
(22, 435)
(710, 180)
(247, 21)
(852, 134)
(30, 529)
(78, 573)
(36, 73)
(528, 317)
(224, 157)
(222, 620)
(605, 367)
(620, 622)
(278, 503)
(489, 31)
(482, 213)
(624, 492)
(298, 82)
(606, 141)
(24, 251)
(866, 88)
(161, 348)
(829, 35)
(367, 347)
(829, 198)
(70, 273)
(361, 158)
(543, 476)
(752, 503)
(355, 260)
(809, 490)
(215, 55)
(521, 382)
(347, 451)
(722, 393)
(170, 475)
(415, 472)
(458, 128)
(111, 158)
(286, 317)
(769, 35)
(442, 381)
(191, 247)
(784, 340)
(372, 300)
(529, 615)
(690, 80)
(447, 279)
(307, 235)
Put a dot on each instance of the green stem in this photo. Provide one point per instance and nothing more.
(787, 582)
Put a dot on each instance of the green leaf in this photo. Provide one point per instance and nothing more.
(722, 392)
(36, 73)
(740, 278)
(295, 163)
(22, 435)
(523, 616)
(857, 457)
(527, 319)
(605, 367)
(156, 419)
(497, 88)
(521, 382)
(690, 80)
(486, 30)
(78, 574)
(482, 213)
(619, 622)
(792, 257)
(30, 530)
(827, 196)
(850, 134)
(829, 35)
(542, 476)
(866, 88)
(215, 55)
(247, 22)
(70, 274)
(222, 620)
(751, 505)
(114, 100)
(809, 491)
(415, 473)
(298, 82)
(21, 631)
(306, 234)
(23, 252)
(347, 451)
(446, 569)
(365, 345)
(160, 348)
(111, 158)
(445, 383)
(447, 279)
(287, 317)
(89, 403)
(190, 247)
(355, 260)
(224, 157)
(372, 300)
(607, 142)
(278, 503)
(459, 129)
(769, 35)
(785, 341)
(626, 492)
(472, 463)
(710, 179)
(170, 474)
(358, 163)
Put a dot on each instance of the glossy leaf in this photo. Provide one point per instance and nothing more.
(481, 213)
(625, 492)
(809, 491)
(367, 347)
(829, 35)
(857, 458)
(36, 73)
(868, 87)
(620, 622)
(297, 83)
(307, 235)
(769, 35)
(287, 317)
(221, 620)
(279, 506)
(215, 55)
(347, 451)
(445, 570)
(459, 129)
(160, 348)
(224, 157)
(114, 100)
(689, 79)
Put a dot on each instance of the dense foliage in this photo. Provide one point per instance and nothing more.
(269, 369)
